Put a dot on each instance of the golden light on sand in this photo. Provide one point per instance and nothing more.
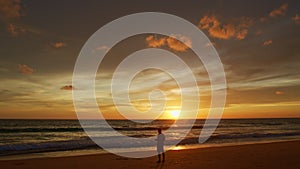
(178, 148)
(174, 114)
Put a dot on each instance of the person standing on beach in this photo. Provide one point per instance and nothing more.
(160, 146)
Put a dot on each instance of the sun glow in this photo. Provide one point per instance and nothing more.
(174, 114)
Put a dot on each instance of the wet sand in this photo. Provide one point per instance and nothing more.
(279, 155)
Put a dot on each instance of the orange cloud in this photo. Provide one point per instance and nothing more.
(279, 92)
(171, 42)
(10, 13)
(281, 11)
(267, 42)
(15, 30)
(58, 44)
(212, 24)
(242, 34)
(154, 42)
(176, 45)
(218, 30)
(10, 10)
(226, 32)
(296, 19)
(259, 32)
(67, 87)
(24, 69)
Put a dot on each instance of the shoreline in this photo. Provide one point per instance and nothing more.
(93, 151)
(264, 155)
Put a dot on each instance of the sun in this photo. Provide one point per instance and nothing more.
(174, 114)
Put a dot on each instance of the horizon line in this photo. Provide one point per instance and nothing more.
(152, 120)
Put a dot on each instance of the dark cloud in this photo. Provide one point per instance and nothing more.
(296, 19)
(67, 87)
(25, 69)
(267, 42)
(263, 95)
(58, 44)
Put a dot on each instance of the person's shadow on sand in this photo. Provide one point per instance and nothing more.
(159, 165)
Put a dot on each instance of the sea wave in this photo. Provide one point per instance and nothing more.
(86, 143)
(80, 129)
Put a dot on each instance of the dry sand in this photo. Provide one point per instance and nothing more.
(279, 155)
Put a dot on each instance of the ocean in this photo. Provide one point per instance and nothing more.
(44, 136)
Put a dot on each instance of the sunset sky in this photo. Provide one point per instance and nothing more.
(258, 43)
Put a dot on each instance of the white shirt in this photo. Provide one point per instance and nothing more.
(160, 142)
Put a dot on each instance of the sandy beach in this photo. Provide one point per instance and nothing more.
(279, 155)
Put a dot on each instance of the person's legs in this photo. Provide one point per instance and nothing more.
(163, 155)
(158, 155)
